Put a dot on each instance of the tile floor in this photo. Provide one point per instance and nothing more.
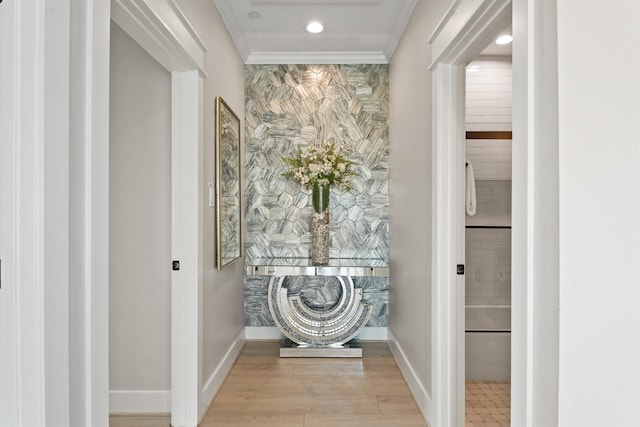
(488, 404)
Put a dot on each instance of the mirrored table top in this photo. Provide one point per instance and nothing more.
(304, 267)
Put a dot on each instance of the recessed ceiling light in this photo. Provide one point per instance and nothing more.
(315, 27)
(505, 39)
(254, 15)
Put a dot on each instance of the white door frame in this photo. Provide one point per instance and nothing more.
(465, 30)
(54, 128)
(34, 212)
(162, 30)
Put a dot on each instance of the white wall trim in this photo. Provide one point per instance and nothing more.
(139, 401)
(448, 287)
(215, 381)
(369, 333)
(90, 131)
(467, 28)
(418, 389)
(317, 58)
(160, 27)
(404, 14)
(374, 333)
(535, 300)
(11, 370)
(36, 257)
(186, 232)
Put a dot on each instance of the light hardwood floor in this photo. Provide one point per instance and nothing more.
(263, 389)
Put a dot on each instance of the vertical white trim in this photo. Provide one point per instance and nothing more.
(90, 59)
(36, 294)
(9, 74)
(448, 291)
(186, 227)
(29, 299)
(535, 259)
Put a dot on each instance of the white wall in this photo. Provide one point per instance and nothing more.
(222, 291)
(599, 134)
(410, 200)
(139, 226)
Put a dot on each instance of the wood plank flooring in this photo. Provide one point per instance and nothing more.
(263, 389)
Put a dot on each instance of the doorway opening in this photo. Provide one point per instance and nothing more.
(465, 30)
(487, 302)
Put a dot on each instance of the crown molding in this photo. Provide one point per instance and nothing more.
(317, 58)
(406, 10)
(173, 42)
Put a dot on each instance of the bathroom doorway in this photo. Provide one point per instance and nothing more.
(487, 229)
(465, 30)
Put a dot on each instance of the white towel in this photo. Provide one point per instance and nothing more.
(470, 190)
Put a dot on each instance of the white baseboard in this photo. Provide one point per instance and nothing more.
(139, 401)
(273, 333)
(159, 401)
(416, 386)
(372, 333)
(211, 388)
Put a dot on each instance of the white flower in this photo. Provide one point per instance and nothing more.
(325, 165)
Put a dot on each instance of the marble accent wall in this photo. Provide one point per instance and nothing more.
(291, 106)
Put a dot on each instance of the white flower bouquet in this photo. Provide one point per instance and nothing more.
(321, 166)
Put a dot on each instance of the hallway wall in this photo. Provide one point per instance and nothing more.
(221, 291)
(221, 328)
(599, 197)
(410, 284)
(140, 222)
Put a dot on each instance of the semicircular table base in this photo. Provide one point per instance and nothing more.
(310, 332)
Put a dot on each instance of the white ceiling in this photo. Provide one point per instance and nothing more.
(356, 31)
(499, 50)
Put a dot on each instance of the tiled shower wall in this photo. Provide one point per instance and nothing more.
(488, 250)
(289, 107)
(488, 108)
(491, 158)
(493, 204)
(488, 100)
(488, 267)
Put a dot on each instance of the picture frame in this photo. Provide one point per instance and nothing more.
(228, 185)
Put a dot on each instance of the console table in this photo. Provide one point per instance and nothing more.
(318, 333)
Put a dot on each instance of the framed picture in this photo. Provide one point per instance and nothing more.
(228, 172)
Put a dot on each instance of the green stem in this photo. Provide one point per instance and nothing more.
(320, 197)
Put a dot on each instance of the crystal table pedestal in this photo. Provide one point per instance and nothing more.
(311, 332)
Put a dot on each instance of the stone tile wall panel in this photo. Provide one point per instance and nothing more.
(289, 107)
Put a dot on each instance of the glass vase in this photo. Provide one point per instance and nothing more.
(320, 225)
